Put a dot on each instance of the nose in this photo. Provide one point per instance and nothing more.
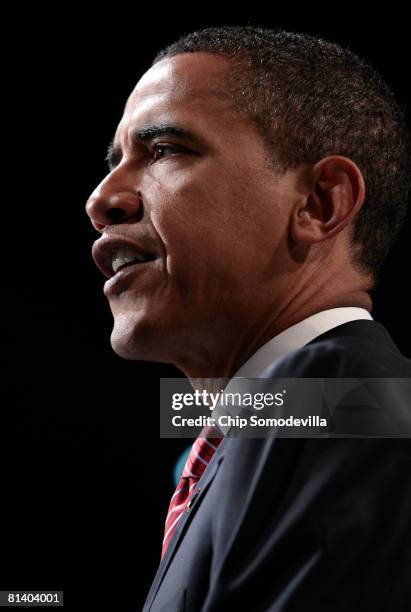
(105, 208)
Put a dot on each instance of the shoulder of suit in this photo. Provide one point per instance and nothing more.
(356, 349)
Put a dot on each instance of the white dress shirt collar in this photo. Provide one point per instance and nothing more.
(296, 336)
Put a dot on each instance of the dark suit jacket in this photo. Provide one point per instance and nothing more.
(301, 525)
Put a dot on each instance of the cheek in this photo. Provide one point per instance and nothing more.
(215, 226)
(186, 213)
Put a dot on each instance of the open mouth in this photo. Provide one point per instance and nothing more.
(113, 254)
(126, 257)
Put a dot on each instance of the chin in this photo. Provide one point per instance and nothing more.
(137, 338)
(123, 349)
(124, 337)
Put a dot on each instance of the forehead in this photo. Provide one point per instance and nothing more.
(187, 89)
(183, 77)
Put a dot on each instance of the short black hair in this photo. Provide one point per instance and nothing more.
(310, 98)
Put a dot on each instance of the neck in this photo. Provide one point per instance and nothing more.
(218, 372)
(234, 339)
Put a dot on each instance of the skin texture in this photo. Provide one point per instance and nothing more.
(242, 251)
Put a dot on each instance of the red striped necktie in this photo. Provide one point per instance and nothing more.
(200, 455)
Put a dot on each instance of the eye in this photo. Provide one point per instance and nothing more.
(157, 148)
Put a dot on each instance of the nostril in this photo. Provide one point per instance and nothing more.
(140, 213)
(115, 215)
(119, 215)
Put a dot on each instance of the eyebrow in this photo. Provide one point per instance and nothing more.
(149, 132)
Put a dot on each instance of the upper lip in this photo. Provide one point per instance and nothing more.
(105, 247)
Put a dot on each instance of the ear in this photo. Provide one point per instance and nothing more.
(334, 193)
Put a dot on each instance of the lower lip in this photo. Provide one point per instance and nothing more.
(117, 283)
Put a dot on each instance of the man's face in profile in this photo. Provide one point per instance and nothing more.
(207, 215)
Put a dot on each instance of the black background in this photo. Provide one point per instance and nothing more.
(85, 478)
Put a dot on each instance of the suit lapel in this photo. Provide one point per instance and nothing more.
(181, 527)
